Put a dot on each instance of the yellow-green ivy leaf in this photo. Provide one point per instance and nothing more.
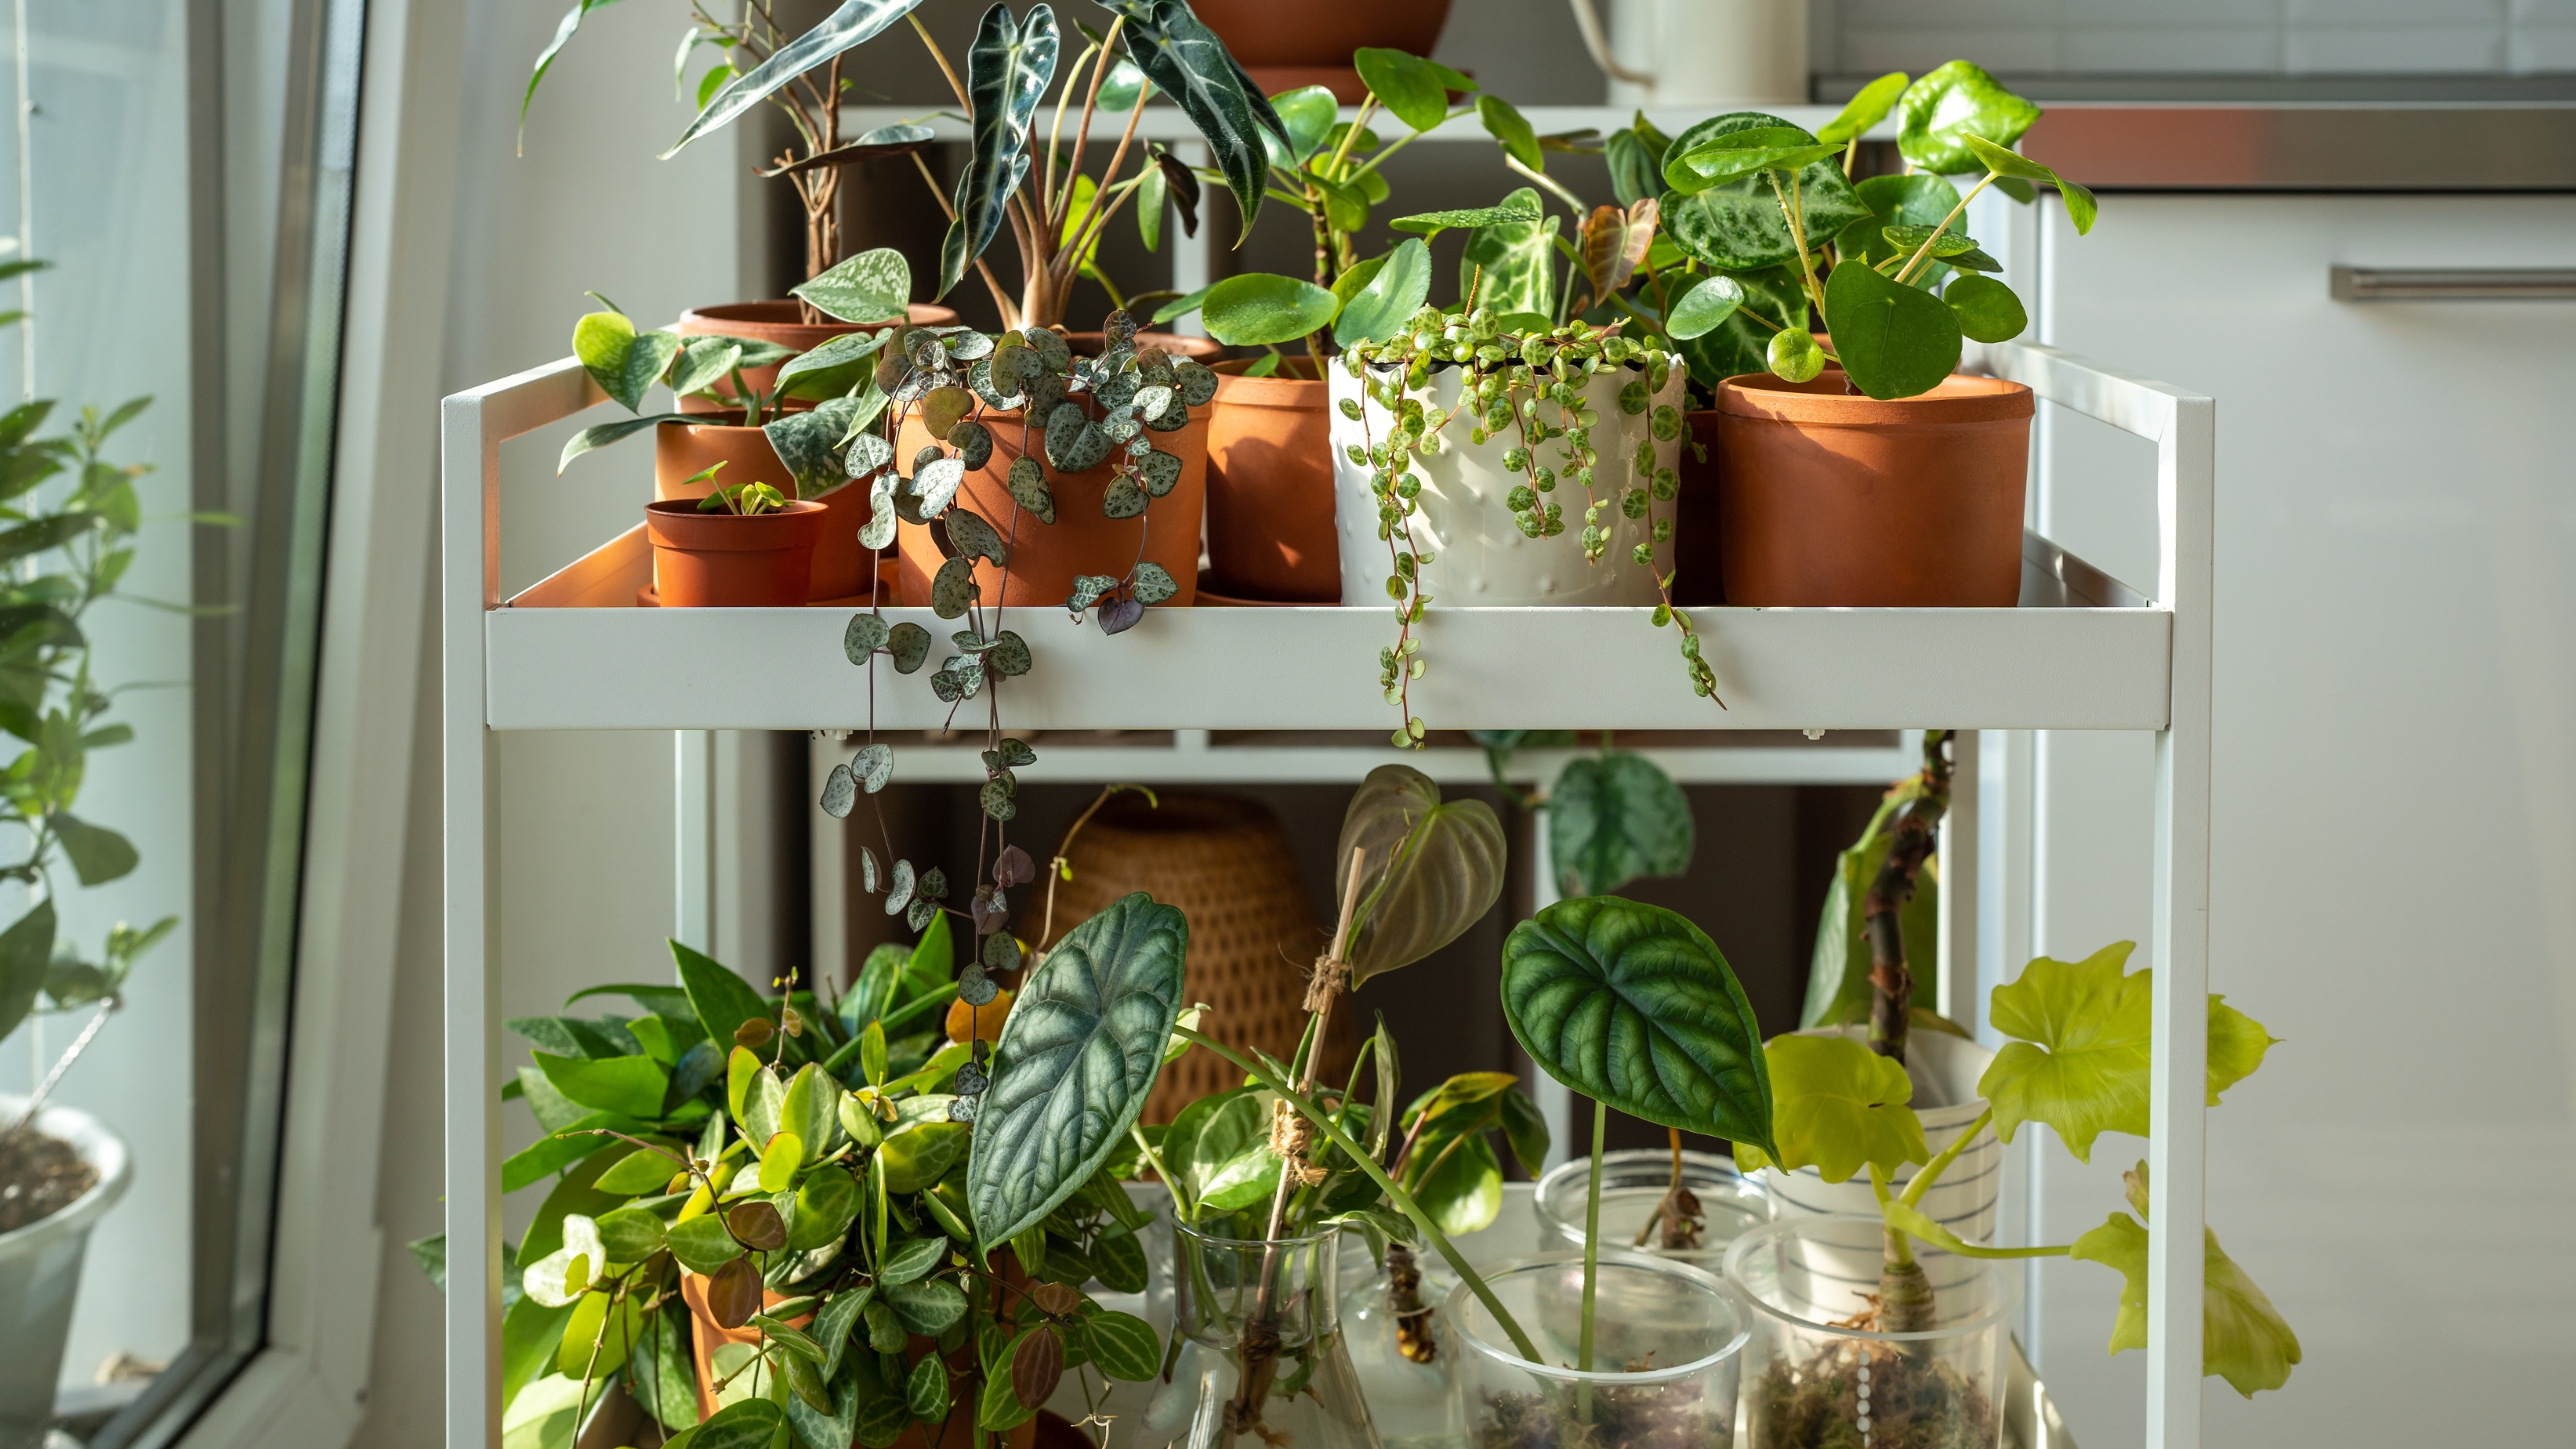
(2237, 1043)
(2244, 1339)
(1837, 1106)
(2080, 1063)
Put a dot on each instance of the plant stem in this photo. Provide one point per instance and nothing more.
(1922, 1183)
(1925, 250)
(1592, 1241)
(1403, 1200)
(1552, 185)
(1891, 978)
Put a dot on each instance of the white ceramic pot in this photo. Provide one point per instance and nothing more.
(40, 1267)
(1481, 557)
(1945, 1070)
(1716, 53)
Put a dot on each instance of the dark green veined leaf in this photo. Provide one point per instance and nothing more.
(926, 1391)
(1614, 819)
(2081, 208)
(1412, 89)
(874, 286)
(928, 1306)
(546, 57)
(1511, 266)
(1865, 109)
(1894, 341)
(1987, 309)
(816, 1429)
(665, 1381)
(592, 439)
(1511, 212)
(98, 854)
(1733, 226)
(808, 446)
(1187, 61)
(26, 949)
(744, 1424)
(1260, 309)
(1082, 1047)
(1940, 111)
(702, 1245)
(853, 24)
(722, 1000)
(1631, 1005)
(1635, 172)
(1513, 132)
(1390, 299)
(1007, 70)
(1432, 869)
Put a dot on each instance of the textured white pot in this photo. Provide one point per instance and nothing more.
(1480, 555)
(1945, 1070)
(40, 1272)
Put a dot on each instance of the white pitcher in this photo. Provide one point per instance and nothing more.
(1700, 52)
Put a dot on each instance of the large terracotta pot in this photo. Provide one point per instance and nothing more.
(1831, 498)
(1046, 557)
(782, 321)
(1270, 486)
(1228, 866)
(681, 451)
(725, 561)
(1196, 349)
(1287, 46)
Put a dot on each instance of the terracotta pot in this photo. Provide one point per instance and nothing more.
(781, 321)
(1228, 866)
(711, 1335)
(1702, 575)
(1286, 46)
(1270, 486)
(1196, 349)
(1831, 498)
(725, 561)
(1046, 557)
(683, 450)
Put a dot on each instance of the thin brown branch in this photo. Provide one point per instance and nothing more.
(1891, 978)
(1091, 103)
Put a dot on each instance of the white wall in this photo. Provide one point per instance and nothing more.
(2258, 37)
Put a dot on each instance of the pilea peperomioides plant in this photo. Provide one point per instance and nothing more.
(2078, 1062)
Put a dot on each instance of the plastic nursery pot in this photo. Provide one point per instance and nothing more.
(782, 321)
(40, 1270)
(681, 451)
(1045, 557)
(1285, 47)
(1633, 1183)
(1667, 1341)
(1831, 498)
(1306, 1395)
(1463, 517)
(725, 561)
(1270, 486)
(1810, 1382)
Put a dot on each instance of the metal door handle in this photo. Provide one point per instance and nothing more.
(2454, 284)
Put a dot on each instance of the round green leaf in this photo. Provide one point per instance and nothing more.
(1895, 341)
(1308, 114)
(1382, 308)
(1698, 311)
(1614, 819)
(1081, 1049)
(1431, 869)
(1942, 109)
(1633, 1006)
(1415, 90)
(1260, 309)
(1794, 355)
(1987, 309)
(825, 1206)
(1463, 1192)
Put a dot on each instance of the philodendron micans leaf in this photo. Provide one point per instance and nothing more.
(1838, 1107)
(1431, 869)
(1390, 299)
(1894, 340)
(2243, 1338)
(1633, 1006)
(1081, 1049)
(1942, 109)
(1007, 69)
(1613, 819)
(874, 286)
(1260, 309)
(1185, 60)
(855, 23)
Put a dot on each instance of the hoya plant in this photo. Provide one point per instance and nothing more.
(809, 1175)
(2076, 1060)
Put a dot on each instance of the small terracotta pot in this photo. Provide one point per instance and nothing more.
(1286, 46)
(725, 561)
(782, 321)
(683, 450)
(1045, 557)
(1835, 499)
(1196, 349)
(1270, 486)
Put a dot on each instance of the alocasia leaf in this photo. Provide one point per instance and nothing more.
(1007, 69)
(855, 23)
(1082, 1047)
(1613, 819)
(1940, 110)
(1631, 1005)
(1838, 1106)
(1431, 869)
(1187, 62)
(2244, 1339)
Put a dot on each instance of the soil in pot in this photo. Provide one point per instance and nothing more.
(1270, 486)
(681, 451)
(40, 1175)
(1045, 557)
(1285, 47)
(783, 321)
(724, 560)
(1911, 1403)
(1829, 498)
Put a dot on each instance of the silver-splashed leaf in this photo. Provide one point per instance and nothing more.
(1016, 753)
(870, 875)
(937, 484)
(866, 635)
(961, 1109)
(1153, 583)
(874, 765)
(1151, 401)
(1087, 589)
(910, 644)
(1195, 381)
(1001, 952)
(840, 793)
(976, 538)
(973, 442)
(920, 914)
(952, 590)
(1029, 488)
(899, 889)
(1009, 656)
(867, 453)
(1158, 472)
(1122, 499)
(997, 800)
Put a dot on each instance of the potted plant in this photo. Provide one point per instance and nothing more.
(1314, 45)
(1919, 1360)
(60, 1169)
(781, 1214)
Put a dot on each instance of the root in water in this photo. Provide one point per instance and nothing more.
(1906, 1403)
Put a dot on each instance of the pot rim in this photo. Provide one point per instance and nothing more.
(713, 315)
(1464, 1297)
(1960, 398)
(772, 532)
(1280, 390)
(99, 1147)
(1183, 1231)
(2007, 1298)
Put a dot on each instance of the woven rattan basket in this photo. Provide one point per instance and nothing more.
(1227, 865)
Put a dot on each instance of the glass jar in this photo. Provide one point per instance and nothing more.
(1262, 1361)
(1634, 1183)
(1817, 1374)
(1667, 1339)
(1395, 1325)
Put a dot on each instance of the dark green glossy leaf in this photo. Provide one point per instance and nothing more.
(1431, 868)
(745, 1424)
(1412, 89)
(813, 1427)
(1631, 1005)
(928, 1306)
(722, 1000)
(1189, 64)
(1940, 111)
(1613, 819)
(1007, 70)
(1123, 1345)
(1987, 309)
(594, 438)
(1308, 112)
(834, 368)
(1730, 154)
(855, 23)
(26, 949)
(1894, 341)
(808, 446)
(1390, 299)
(1260, 309)
(1921, 199)
(1699, 311)
(1081, 1049)
(1514, 133)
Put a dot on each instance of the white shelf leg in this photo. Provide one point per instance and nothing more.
(1958, 998)
(469, 584)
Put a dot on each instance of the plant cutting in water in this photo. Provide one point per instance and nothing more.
(1879, 925)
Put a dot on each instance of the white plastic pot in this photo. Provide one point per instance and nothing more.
(40, 1266)
(1945, 1070)
(1480, 555)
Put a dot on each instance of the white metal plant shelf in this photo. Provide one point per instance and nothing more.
(2084, 651)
